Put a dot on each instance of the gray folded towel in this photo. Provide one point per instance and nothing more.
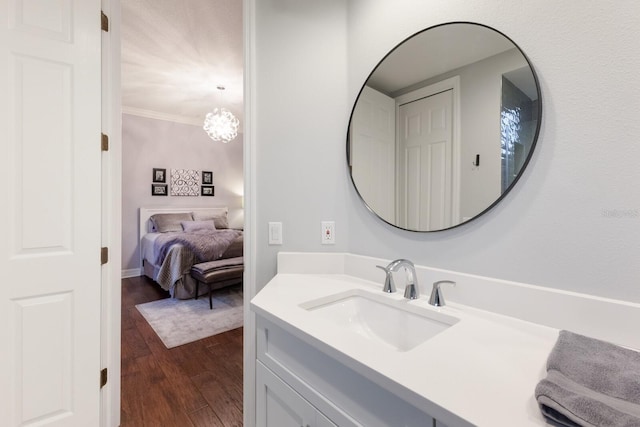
(590, 383)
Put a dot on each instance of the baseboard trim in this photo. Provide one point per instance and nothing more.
(132, 272)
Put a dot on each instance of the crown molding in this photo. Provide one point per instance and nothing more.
(162, 116)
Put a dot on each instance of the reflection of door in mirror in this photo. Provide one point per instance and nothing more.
(373, 140)
(425, 162)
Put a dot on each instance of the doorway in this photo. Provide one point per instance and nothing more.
(176, 46)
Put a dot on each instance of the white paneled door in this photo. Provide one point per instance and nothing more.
(50, 212)
(425, 162)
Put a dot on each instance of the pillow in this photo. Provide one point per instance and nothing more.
(189, 226)
(170, 221)
(218, 216)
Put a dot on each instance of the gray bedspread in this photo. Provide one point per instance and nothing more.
(177, 252)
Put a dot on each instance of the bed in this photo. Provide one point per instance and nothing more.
(172, 240)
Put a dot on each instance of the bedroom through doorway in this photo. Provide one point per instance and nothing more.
(182, 214)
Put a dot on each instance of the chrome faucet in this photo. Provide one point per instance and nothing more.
(411, 290)
(437, 299)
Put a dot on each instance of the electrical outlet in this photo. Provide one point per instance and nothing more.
(275, 233)
(328, 233)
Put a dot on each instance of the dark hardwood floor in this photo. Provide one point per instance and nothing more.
(196, 384)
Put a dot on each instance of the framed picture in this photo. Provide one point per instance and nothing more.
(184, 182)
(159, 175)
(159, 189)
(207, 177)
(207, 190)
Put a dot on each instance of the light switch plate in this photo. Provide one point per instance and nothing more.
(275, 233)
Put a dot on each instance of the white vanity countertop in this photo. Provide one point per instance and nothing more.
(484, 369)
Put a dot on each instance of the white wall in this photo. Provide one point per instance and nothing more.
(573, 220)
(151, 143)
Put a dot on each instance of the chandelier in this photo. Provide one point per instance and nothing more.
(221, 124)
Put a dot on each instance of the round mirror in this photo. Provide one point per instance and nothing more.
(443, 127)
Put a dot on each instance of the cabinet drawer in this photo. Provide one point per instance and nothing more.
(347, 397)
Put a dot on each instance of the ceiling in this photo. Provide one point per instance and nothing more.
(174, 55)
(435, 52)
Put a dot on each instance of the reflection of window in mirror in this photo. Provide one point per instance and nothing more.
(518, 123)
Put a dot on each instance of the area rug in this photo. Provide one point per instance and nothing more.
(179, 322)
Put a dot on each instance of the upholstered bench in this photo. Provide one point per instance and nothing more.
(218, 274)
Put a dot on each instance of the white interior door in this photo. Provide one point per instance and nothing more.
(425, 162)
(51, 212)
(373, 138)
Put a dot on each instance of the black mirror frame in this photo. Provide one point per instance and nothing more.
(520, 172)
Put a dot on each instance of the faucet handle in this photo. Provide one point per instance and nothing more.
(437, 299)
(389, 285)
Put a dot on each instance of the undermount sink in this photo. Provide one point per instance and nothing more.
(398, 324)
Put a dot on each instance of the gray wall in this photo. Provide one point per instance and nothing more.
(480, 98)
(573, 220)
(300, 126)
(150, 143)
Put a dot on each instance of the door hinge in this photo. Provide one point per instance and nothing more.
(104, 22)
(104, 142)
(104, 256)
(103, 377)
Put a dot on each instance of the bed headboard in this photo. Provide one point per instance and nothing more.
(145, 214)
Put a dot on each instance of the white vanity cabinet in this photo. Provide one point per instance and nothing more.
(310, 327)
(299, 385)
